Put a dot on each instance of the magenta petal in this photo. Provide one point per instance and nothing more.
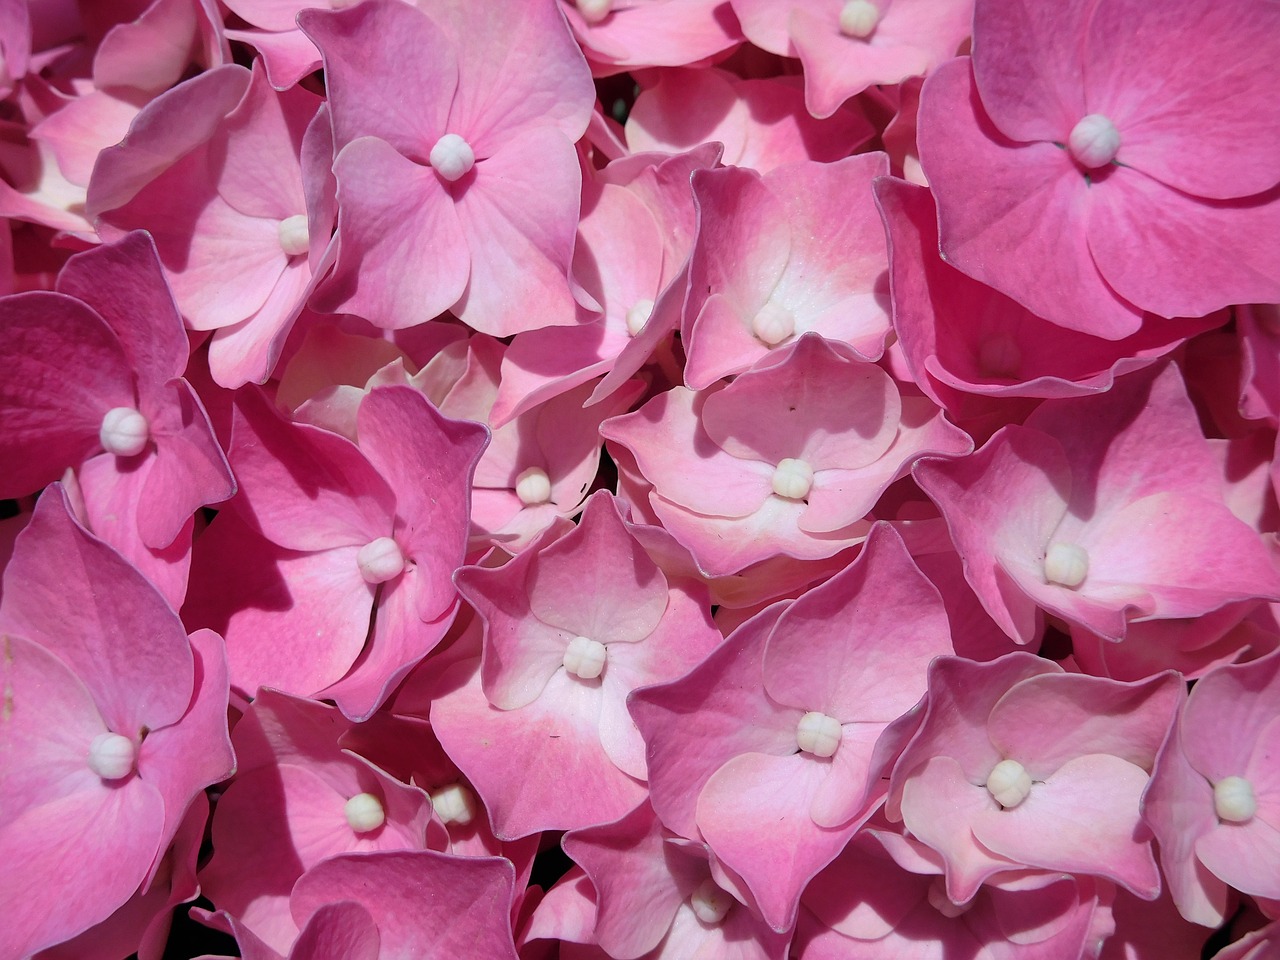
(42, 334)
(303, 487)
(1082, 819)
(1024, 232)
(338, 931)
(402, 257)
(99, 614)
(1139, 226)
(754, 813)
(426, 905)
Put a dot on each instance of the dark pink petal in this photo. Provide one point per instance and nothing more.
(1175, 119)
(303, 487)
(426, 905)
(79, 598)
(1228, 712)
(1028, 229)
(338, 931)
(402, 257)
(1029, 66)
(391, 73)
(46, 431)
(1233, 241)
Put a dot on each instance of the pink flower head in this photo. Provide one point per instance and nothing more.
(788, 459)
(849, 45)
(1016, 765)
(1101, 510)
(94, 383)
(1093, 132)
(772, 263)
(1214, 801)
(468, 200)
(771, 750)
(572, 626)
(110, 714)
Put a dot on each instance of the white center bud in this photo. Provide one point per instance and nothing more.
(294, 238)
(1009, 783)
(939, 900)
(112, 756)
(1094, 141)
(593, 11)
(773, 324)
(638, 316)
(792, 479)
(710, 903)
(584, 658)
(380, 560)
(124, 432)
(364, 812)
(1066, 564)
(1233, 800)
(452, 157)
(858, 18)
(818, 734)
(999, 356)
(533, 486)
(454, 804)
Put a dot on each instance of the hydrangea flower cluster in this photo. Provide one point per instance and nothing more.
(640, 479)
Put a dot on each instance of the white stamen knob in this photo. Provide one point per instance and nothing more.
(1233, 800)
(939, 900)
(364, 812)
(858, 18)
(294, 236)
(792, 479)
(593, 11)
(112, 756)
(452, 157)
(380, 560)
(773, 324)
(1009, 783)
(454, 804)
(818, 734)
(1000, 356)
(710, 903)
(584, 658)
(124, 432)
(533, 486)
(1066, 564)
(1094, 141)
(638, 316)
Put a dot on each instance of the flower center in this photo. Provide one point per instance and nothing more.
(818, 734)
(858, 19)
(380, 560)
(638, 316)
(124, 432)
(1094, 141)
(773, 324)
(1009, 783)
(294, 237)
(452, 157)
(111, 756)
(364, 812)
(1066, 564)
(584, 658)
(792, 479)
(533, 486)
(454, 804)
(1233, 800)
(593, 11)
(710, 903)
